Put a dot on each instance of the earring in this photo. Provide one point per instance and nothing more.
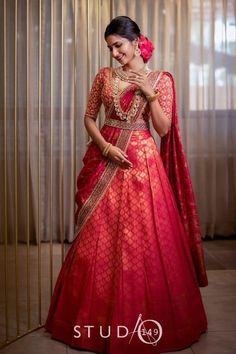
(137, 51)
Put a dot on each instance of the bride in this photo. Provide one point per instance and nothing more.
(130, 281)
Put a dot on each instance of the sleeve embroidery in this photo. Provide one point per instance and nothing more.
(166, 95)
(94, 98)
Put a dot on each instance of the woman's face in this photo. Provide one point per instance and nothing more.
(121, 48)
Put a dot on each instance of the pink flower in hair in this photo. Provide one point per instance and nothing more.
(146, 47)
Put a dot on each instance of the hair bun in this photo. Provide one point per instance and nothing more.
(146, 47)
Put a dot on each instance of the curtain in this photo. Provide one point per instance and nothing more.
(50, 53)
(211, 129)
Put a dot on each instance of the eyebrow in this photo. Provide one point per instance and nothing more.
(109, 46)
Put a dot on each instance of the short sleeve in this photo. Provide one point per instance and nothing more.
(166, 96)
(94, 98)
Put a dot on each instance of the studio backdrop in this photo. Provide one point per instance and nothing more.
(50, 52)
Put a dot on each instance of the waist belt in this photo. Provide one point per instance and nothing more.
(126, 125)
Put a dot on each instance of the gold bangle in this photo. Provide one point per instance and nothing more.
(104, 152)
(153, 97)
(106, 149)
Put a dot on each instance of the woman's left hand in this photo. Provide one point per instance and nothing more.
(141, 80)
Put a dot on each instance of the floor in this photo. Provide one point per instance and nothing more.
(219, 299)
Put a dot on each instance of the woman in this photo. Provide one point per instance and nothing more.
(130, 281)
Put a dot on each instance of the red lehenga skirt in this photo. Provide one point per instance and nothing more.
(128, 283)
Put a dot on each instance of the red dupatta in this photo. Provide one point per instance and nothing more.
(176, 166)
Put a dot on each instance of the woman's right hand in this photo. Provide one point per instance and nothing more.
(120, 157)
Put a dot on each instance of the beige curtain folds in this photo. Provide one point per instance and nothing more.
(212, 119)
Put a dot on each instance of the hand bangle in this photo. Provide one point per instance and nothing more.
(153, 97)
(106, 149)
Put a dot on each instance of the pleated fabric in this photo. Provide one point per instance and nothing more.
(131, 258)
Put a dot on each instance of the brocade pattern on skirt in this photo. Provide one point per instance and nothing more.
(130, 257)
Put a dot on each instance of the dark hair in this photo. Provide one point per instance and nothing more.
(124, 27)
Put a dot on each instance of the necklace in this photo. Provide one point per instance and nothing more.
(119, 111)
(121, 75)
(124, 76)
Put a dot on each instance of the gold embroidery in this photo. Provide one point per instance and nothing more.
(166, 95)
(111, 168)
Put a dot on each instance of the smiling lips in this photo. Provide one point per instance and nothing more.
(120, 57)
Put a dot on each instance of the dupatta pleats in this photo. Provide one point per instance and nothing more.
(176, 166)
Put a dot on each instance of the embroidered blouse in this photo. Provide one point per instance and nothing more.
(101, 93)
